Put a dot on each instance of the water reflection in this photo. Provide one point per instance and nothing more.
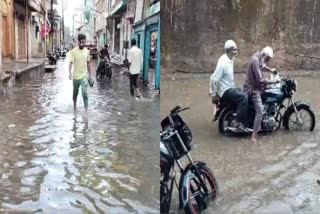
(56, 161)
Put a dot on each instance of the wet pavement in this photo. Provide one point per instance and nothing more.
(278, 175)
(53, 161)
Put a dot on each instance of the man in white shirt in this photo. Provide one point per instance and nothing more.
(135, 59)
(222, 85)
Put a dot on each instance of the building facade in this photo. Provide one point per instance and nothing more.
(101, 23)
(147, 33)
(6, 28)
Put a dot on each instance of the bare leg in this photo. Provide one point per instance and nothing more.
(257, 103)
(254, 137)
(138, 92)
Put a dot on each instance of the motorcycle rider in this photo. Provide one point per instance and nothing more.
(104, 57)
(222, 85)
(105, 53)
(255, 84)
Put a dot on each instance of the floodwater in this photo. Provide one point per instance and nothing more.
(55, 161)
(278, 175)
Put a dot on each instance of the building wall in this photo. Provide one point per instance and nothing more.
(139, 11)
(21, 41)
(6, 10)
(195, 34)
(100, 24)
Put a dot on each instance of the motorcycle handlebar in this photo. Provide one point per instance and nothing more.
(178, 109)
(175, 109)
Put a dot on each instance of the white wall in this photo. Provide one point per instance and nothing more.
(139, 10)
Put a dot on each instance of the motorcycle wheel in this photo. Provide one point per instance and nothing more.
(110, 74)
(164, 198)
(291, 122)
(196, 191)
(226, 119)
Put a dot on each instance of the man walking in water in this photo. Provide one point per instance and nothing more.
(80, 57)
(135, 59)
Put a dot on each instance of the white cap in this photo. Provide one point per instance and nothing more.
(268, 51)
(230, 44)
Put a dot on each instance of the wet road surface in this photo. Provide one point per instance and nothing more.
(53, 161)
(276, 176)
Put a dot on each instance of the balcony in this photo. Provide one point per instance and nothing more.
(35, 5)
(117, 6)
(153, 9)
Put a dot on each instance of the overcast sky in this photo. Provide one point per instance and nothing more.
(70, 6)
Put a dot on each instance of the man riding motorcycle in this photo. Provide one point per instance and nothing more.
(222, 85)
(256, 83)
(104, 57)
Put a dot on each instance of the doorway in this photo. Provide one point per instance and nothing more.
(5, 37)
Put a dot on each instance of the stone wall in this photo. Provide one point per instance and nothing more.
(194, 31)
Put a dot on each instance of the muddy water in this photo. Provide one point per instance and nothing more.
(55, 161)
(278, 175)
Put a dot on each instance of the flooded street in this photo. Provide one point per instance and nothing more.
(278, 175)
(53, 161)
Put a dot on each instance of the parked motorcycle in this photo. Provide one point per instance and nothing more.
(52, 58)
(297, 115)
(104, 71)
(63, 53)
(57, 53)
(198, 184)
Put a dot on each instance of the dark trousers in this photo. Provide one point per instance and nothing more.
(239, 100)
(133, 83)
(101, 67)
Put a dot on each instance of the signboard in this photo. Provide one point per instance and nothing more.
(117, 4)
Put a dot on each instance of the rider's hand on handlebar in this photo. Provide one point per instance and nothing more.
(275, 71)
(214, 99)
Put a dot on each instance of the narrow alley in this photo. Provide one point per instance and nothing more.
(55, 161)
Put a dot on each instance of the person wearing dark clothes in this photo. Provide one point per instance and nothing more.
(255, 84)
(104, 52)
(104, 56)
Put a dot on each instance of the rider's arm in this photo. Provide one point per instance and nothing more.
(108, 55)
(271, 70)
(257, 70)
(215, 78)
(211, 88)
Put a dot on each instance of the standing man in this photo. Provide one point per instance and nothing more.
(255, 84)
(135, 60)
(80, 57)
(222, 85)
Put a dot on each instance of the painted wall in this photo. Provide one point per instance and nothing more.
(6, 9)
(194, 32)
